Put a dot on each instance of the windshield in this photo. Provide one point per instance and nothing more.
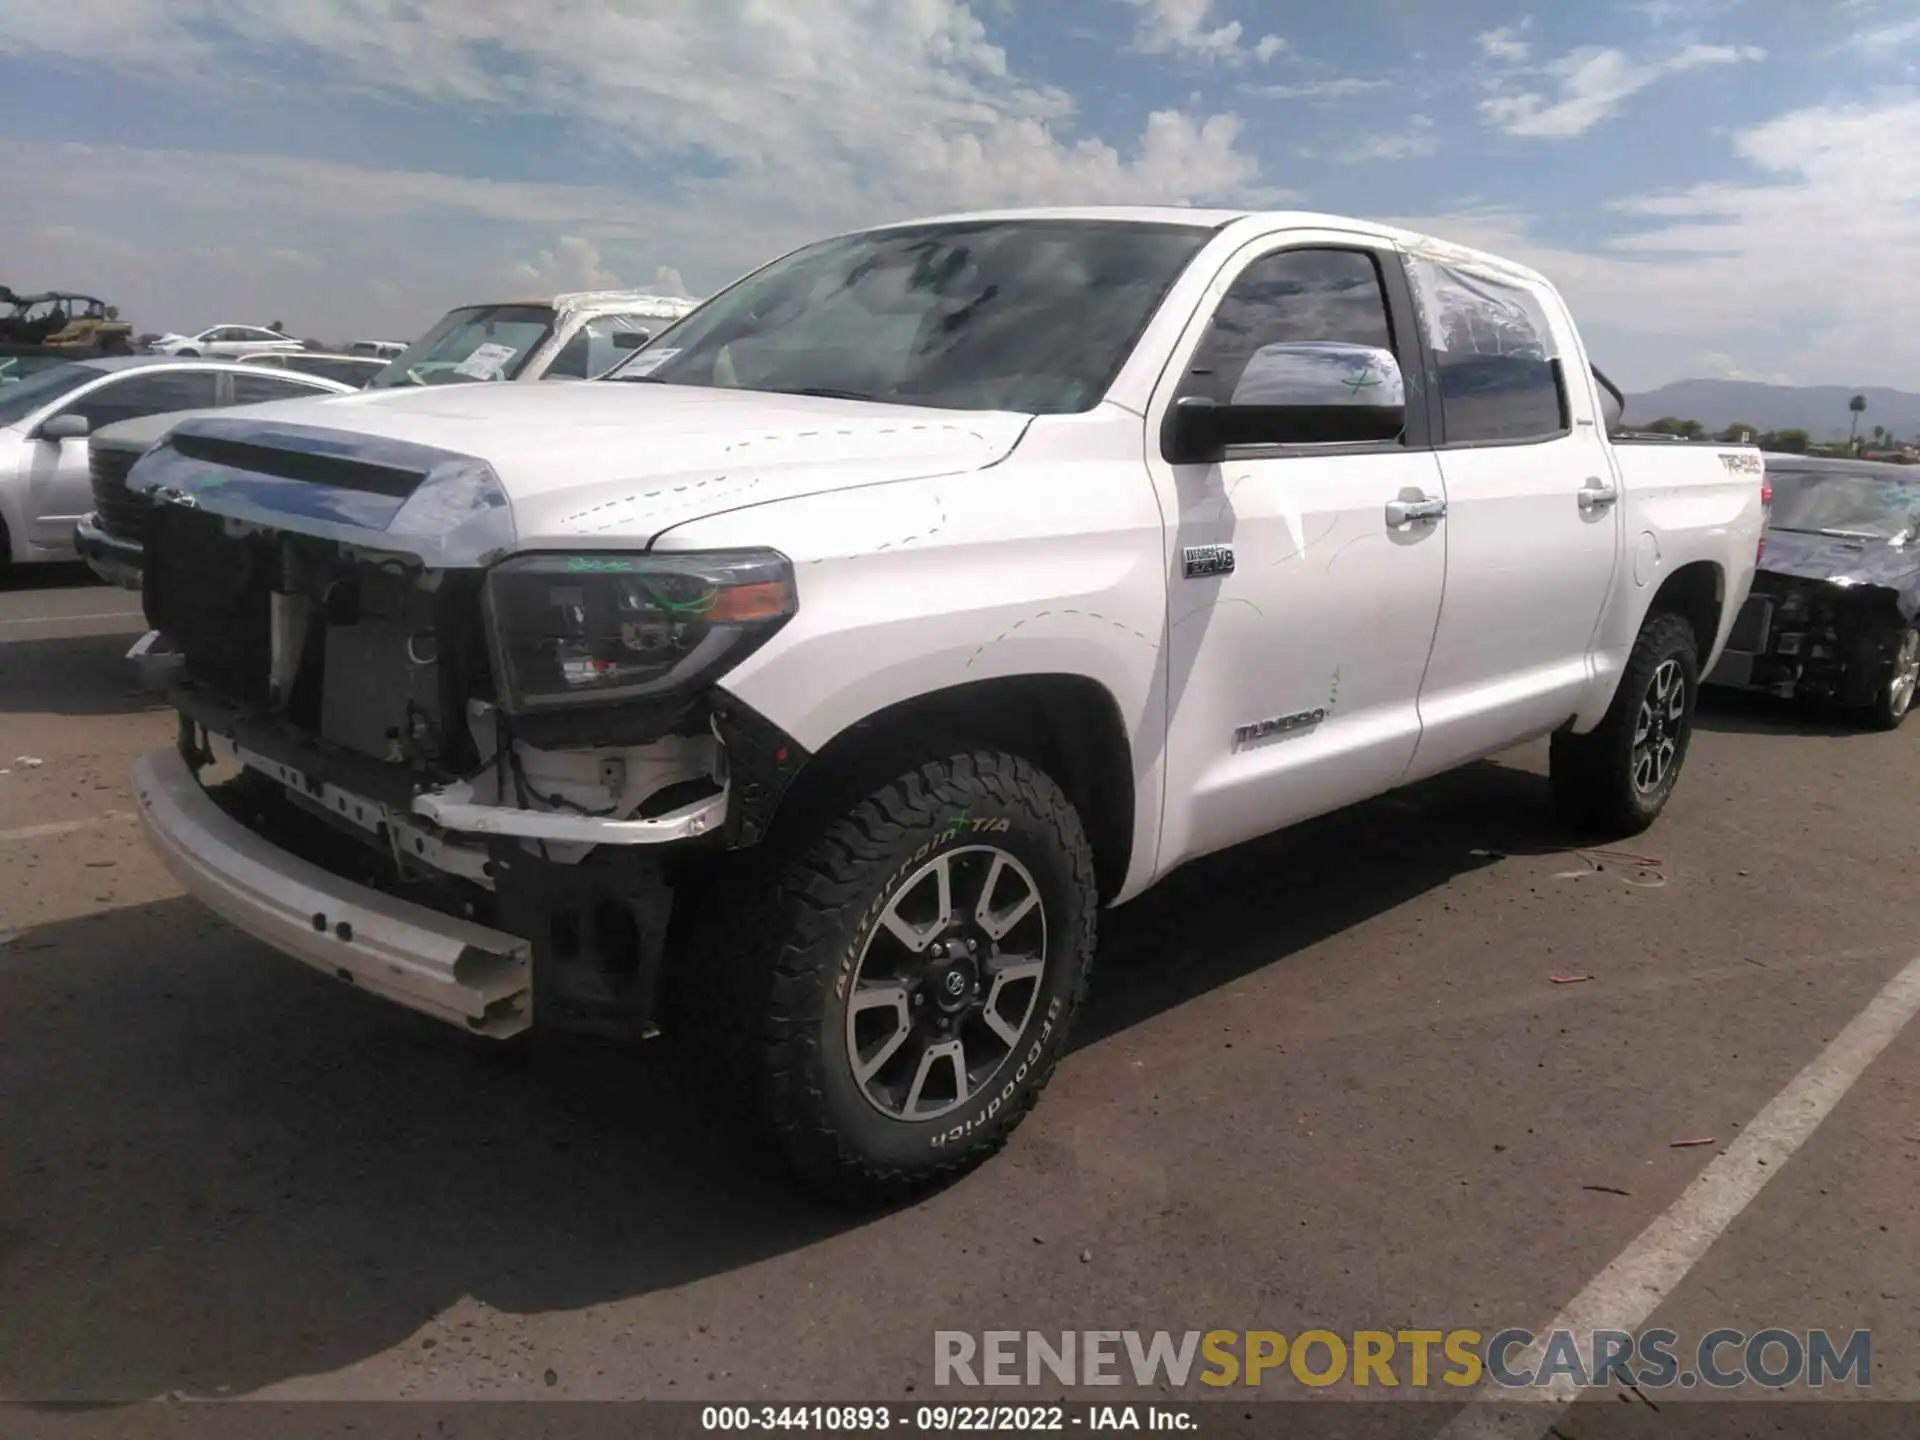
(19, 401)
(481, 342)
(1033, 316)
(1844, 502)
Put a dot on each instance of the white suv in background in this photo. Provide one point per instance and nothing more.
(234, 340)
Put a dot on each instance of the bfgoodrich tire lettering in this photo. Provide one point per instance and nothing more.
(1617, 778)
(842, 902)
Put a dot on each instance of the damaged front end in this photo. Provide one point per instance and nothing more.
(1826, 639)
(488, 773)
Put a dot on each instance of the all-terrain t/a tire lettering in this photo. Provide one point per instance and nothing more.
(1616, 778)
(933, 946)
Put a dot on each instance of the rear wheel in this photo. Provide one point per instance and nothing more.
(1617, 777)
(913, 986)
(1896, 695)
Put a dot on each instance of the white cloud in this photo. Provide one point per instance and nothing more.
(1591, 84)
(572, 264)
(1505, 43)
(1413, 141)
(1884, 42)
(783, 122)
(1739, 270)
(1343, 87)
(1186, 27)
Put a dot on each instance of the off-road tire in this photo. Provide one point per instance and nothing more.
(1592, 775)
(1890, 707)
(787, 947)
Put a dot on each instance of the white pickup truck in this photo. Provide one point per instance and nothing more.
(931, 590)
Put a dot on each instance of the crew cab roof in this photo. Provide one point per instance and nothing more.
(1253, 221)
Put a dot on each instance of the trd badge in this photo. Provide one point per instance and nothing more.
(1203, 561)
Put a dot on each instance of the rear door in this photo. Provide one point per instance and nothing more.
(1533, 519)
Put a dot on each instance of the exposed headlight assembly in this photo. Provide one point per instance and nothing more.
(570, 630)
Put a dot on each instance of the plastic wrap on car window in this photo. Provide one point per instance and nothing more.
(1469, 311)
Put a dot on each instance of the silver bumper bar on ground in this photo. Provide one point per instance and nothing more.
(465, 974)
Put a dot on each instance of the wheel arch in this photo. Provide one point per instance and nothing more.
(1068, 725)
(1697, 593)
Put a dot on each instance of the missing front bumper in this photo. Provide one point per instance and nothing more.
(464, 974)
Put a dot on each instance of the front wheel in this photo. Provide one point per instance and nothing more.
(1617, 777)
(932, 947)
(1895, 699)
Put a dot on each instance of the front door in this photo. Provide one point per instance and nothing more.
(59, 486)
(1533, 514)
(1294, 677)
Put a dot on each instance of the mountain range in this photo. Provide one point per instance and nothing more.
(1820, 410)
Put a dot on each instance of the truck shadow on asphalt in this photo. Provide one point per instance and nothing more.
(225, 1171)
(86, 675)
(1744, 712)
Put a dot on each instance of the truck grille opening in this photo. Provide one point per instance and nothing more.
(121, 513)
(355, 654)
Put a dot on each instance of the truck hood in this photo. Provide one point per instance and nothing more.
(462, 474)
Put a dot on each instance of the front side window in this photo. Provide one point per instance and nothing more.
(1031, 316)
(1321, 304)
(1841, 502)
(1493, 347)
(31, 393)
(481, 342)
(157, 393)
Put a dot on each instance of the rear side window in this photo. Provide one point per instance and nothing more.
(1499, 371)
(258, 389)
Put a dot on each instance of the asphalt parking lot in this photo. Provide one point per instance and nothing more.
(1327, 1081)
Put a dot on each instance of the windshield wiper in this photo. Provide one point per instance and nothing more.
(827, 392)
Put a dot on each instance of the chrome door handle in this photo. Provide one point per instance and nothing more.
(1406, 512)
(1597, 494)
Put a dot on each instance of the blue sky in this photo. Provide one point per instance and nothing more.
(1722, 187)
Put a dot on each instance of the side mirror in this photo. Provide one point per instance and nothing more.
(1190, 434)
(1311, 393)
(1318, 393)
(68, 426)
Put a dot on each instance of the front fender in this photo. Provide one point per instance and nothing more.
(920, 586)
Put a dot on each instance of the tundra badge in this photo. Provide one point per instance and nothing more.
(1260, 729)
(1204, 561)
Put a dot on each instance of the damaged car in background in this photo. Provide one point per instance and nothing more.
(1834, 615)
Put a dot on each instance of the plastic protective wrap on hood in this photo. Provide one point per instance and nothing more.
(436, 506)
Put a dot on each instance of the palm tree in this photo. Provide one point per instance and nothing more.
(1879, 434)
(1858, 405)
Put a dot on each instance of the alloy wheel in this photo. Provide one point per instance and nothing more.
(947, 982)
(1906, 674)
(1656, 735)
